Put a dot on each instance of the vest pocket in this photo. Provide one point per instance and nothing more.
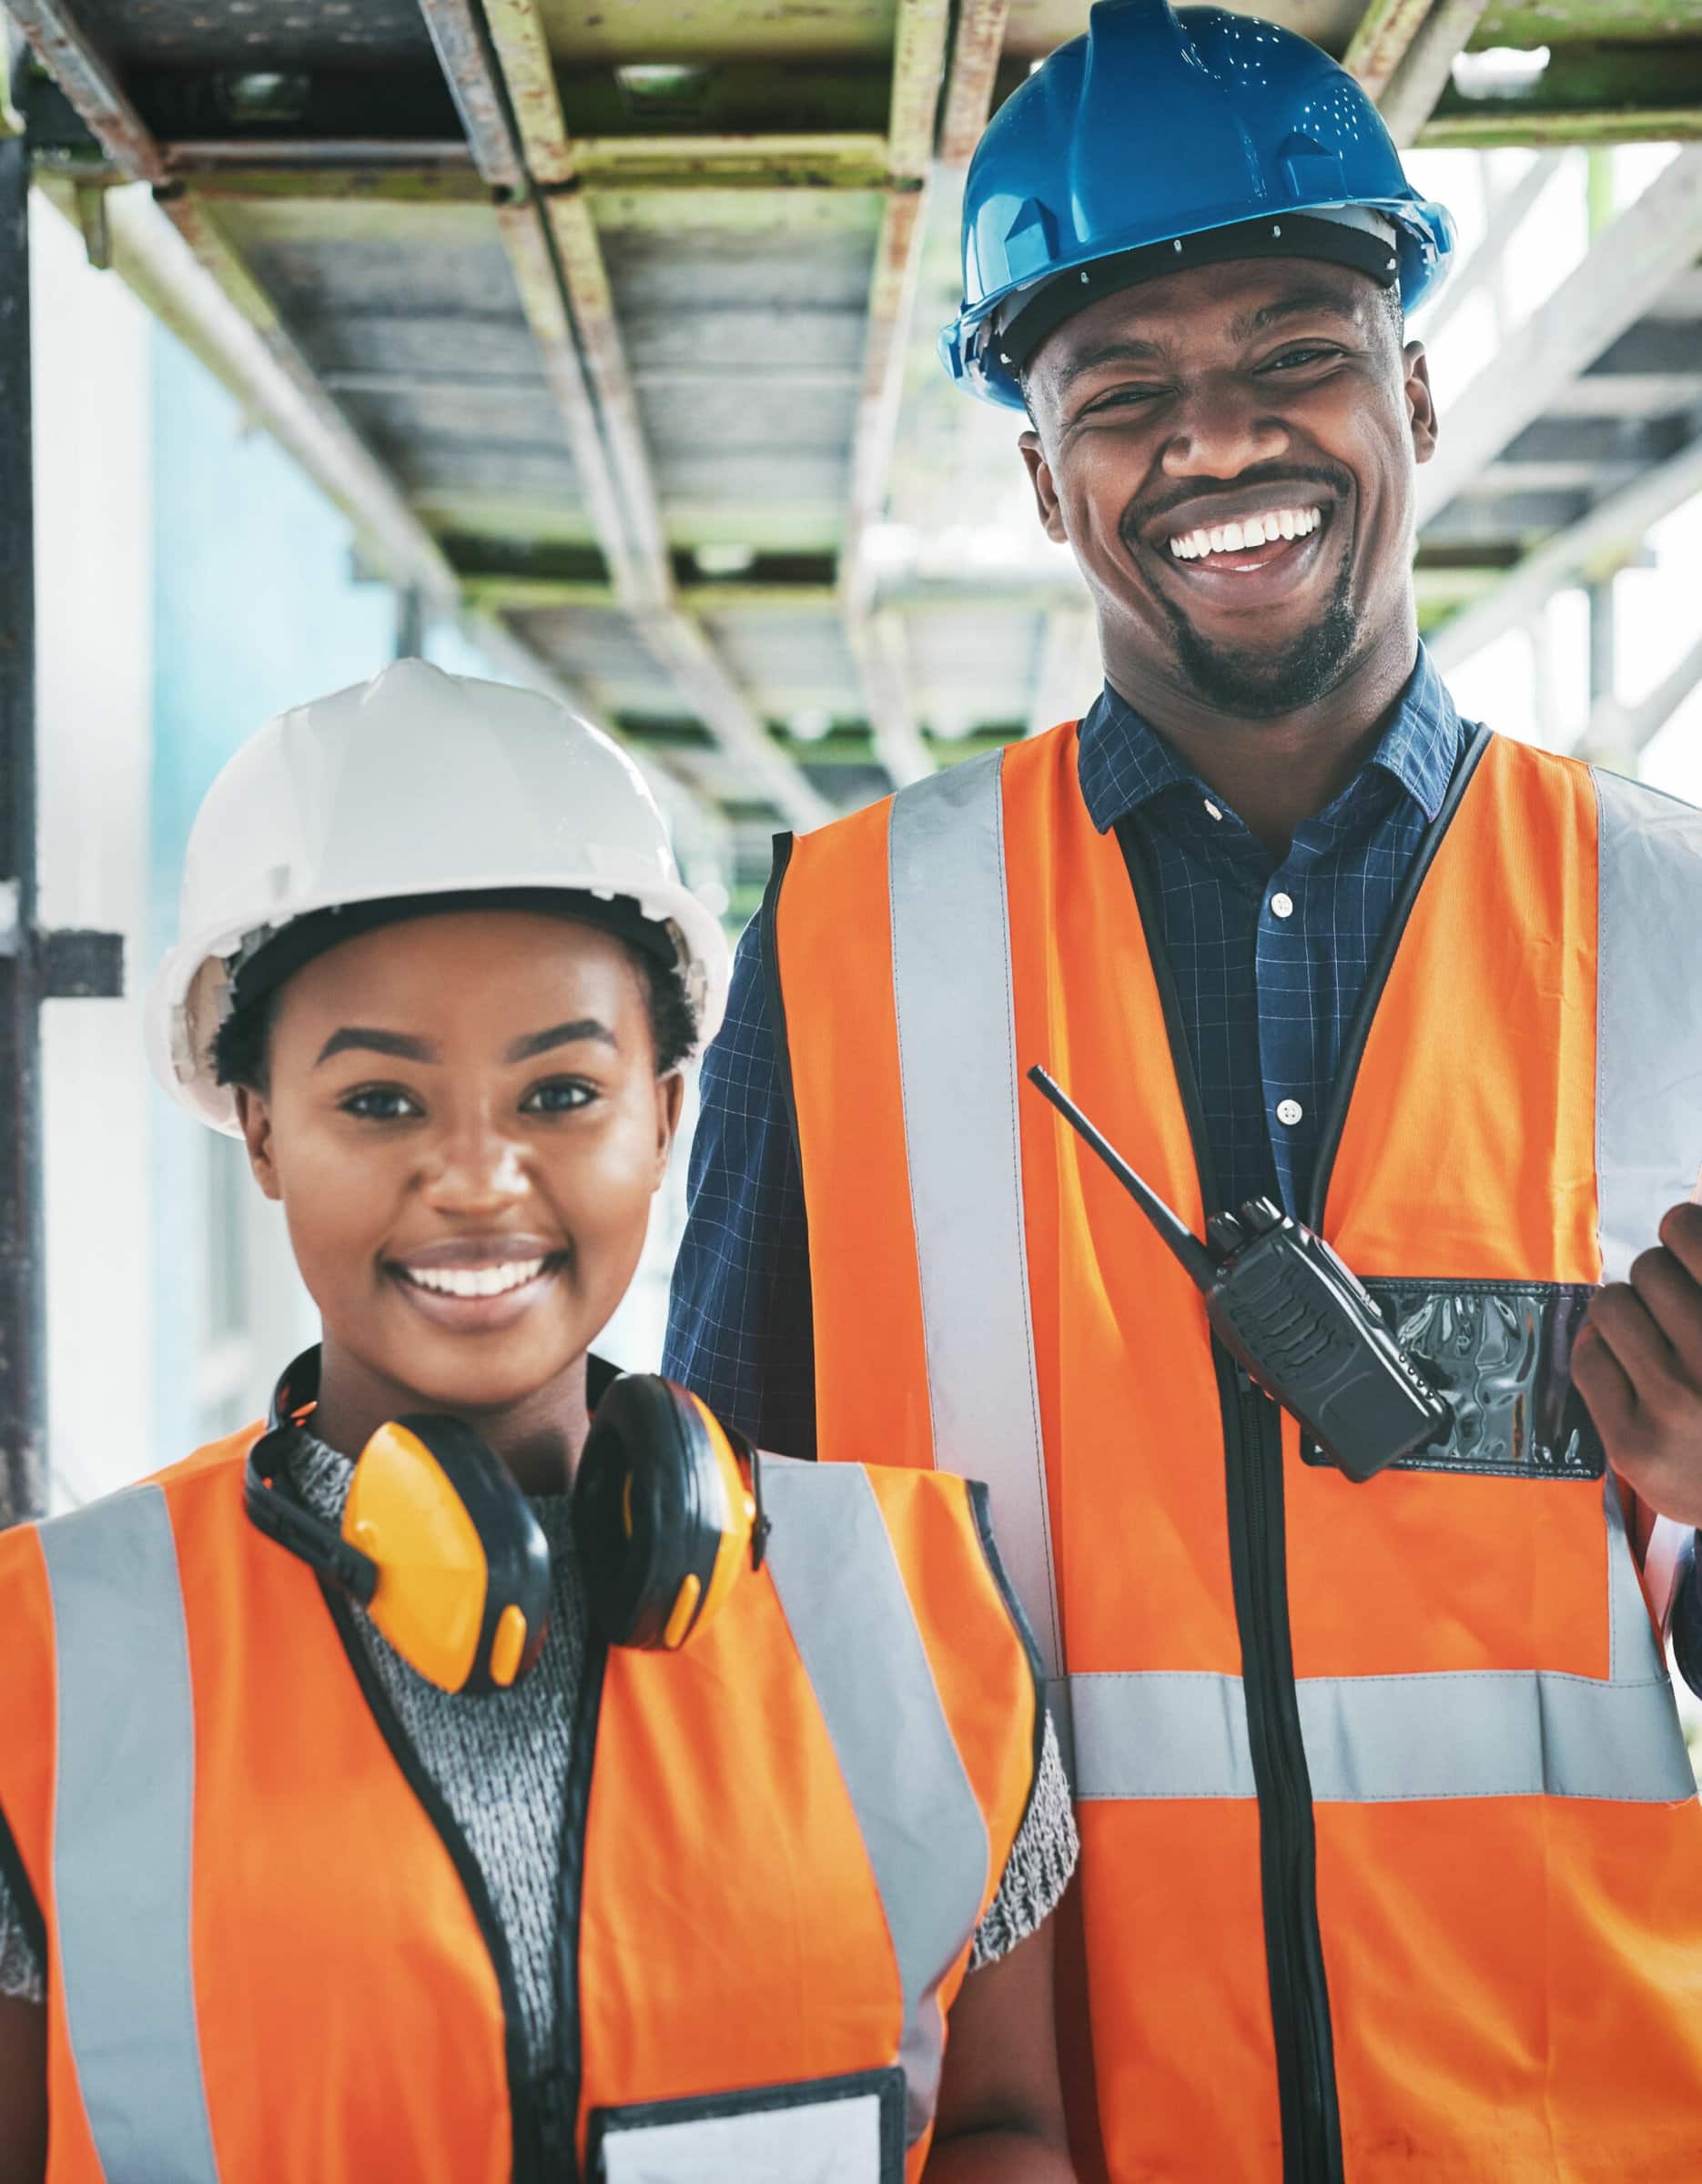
(1500, 1353)
(824, 2130)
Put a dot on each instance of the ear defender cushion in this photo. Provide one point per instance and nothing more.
(650, 1513)
(464, 1591)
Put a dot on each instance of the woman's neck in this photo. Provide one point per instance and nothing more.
(538, 1439)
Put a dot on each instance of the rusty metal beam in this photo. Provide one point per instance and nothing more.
(463, 51)
(777, 161)
(978, 42)
(1380, 45)
(172, 252)
(593, 383)
(523, 52)
(1488, 124)
(538, 278)
(82, 73)
(919, 64)
(1409, 101)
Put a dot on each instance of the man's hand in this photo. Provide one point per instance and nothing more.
(1637, 1363)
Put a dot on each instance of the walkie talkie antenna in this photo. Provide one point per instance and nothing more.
(1196, 1261)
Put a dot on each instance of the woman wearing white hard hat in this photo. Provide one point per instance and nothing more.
(490, 1767)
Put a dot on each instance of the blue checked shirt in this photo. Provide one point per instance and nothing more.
(1269, 960)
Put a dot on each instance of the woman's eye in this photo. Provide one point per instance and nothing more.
(383, 1103)
(561, 1095)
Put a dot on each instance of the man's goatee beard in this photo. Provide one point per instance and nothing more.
(1256, 682)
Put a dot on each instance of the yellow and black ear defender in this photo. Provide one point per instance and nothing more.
(440, 1546)
(662, 1514)
(437, 1543)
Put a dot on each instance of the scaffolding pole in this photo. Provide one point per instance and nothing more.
(35, 966)
(23, 1395)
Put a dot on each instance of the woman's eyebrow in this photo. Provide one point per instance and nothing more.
(394, 1043)
(560, 1034)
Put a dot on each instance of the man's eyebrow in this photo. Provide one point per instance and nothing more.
(1127, 349)
(1299, 303)
(394, 1043)
(559, 1035)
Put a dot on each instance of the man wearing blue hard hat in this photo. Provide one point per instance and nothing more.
(1348, 1575)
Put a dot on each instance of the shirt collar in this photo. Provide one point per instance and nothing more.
(1122, 761)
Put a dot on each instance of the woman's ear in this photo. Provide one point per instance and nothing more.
(255, 1117)
(670, 1099)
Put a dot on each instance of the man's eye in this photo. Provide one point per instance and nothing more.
(561, 1095)
(1292, 357)
(1124, 397)
(383, 1103)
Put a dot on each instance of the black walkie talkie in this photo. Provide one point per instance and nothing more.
(1291, 1314)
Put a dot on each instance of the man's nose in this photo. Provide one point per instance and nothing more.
(1222, 427)
(475, 1166)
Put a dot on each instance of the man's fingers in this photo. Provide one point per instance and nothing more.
(1672, 1297)
(1643, 1352)
(1681, 1233)
(1600, 1379)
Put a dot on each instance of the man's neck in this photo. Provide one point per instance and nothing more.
(1276, 771)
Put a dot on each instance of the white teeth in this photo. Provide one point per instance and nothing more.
(1252, 530)
(475, 1282)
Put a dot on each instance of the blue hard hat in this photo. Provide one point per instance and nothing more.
(1159, 130)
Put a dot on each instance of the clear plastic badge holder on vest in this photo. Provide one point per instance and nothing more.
(824, 2131)
(836, 2142)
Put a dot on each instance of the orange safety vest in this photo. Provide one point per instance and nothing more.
(1391, 1863)
(272, 1956)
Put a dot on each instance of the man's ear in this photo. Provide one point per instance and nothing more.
(1421, 403)
(1044, 493)
(256, 1118)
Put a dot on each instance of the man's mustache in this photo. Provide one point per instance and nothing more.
(1140, 514)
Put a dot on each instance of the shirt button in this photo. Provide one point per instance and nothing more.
(1212, 809)
(1283, 906)
(1289, 1111)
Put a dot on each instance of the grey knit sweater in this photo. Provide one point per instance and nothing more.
(501, 1765)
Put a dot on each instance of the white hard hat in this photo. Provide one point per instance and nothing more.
(414, 784)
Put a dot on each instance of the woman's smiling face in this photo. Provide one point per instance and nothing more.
(463, 1119)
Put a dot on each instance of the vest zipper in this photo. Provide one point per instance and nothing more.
(1252, 1451)
(1300, 1999)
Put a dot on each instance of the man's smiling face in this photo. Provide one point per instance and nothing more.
(1230, 453)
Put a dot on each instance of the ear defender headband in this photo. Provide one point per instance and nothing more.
(439, 1545)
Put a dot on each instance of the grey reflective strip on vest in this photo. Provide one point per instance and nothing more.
(842, 1594)
(960, 1079)
(123, 1823)
(1648, 1014)
(1489, 1733)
